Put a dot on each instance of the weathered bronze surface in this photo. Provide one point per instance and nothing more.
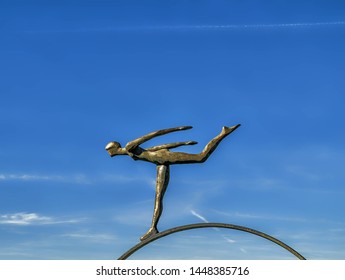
(163, 158)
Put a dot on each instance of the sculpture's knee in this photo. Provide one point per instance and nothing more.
(203, 157)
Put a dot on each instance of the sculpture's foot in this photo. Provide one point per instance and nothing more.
(227, 130)
(149, 233)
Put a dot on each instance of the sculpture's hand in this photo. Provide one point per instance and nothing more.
(191, 143)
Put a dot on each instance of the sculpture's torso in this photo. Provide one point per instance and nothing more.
(159, 157)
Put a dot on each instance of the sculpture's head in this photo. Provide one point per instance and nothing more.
(114, 148)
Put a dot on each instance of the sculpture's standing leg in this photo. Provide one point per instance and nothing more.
(162, 181)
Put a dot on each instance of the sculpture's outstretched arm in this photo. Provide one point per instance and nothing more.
(170, 146)
(135, 143)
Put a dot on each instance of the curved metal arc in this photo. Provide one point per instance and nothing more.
(207, 225)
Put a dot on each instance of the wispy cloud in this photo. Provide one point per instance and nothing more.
(10, 253)
(90, 237)
(29, 177)
(262, 216)
(199, 216)
(78, 178)
(23, 219)
(240, 26)
(194, 213)
(243, 250)
(196, 27)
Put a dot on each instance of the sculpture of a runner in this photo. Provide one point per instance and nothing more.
(163, 158)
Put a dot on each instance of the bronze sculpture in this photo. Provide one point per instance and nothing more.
(163, 158)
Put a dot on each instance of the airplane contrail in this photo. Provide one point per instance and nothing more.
(207, 27)
(241, 26)
(227, 239)
(199, 216)
(237, 26)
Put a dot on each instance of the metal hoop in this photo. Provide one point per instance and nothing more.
(207, 225)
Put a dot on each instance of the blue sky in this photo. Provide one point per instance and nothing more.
(78, 74)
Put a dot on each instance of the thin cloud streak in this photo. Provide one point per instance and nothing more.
(29, 177)
(24, 219)
(262, 217)
(199, 216)
(242, 26)
(212, 27)
(227, 239)
(93, 237)
(76, 179)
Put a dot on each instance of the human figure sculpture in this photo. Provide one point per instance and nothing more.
(163, 158)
